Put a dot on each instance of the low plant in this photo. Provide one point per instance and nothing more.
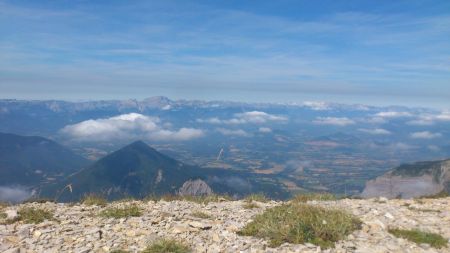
(196, 199)
(417, 236)
(201, 215)
(250, 205)
(94, 200)
(121, 212)
(39, 200)
(305, 197)
(167, 246)
(442, 194)
(302, 223)
(259, 197)
(33, 215)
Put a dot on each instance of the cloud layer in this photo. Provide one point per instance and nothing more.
(335, 121)
(425, 135)
(253, 117)
(127, 126)
(14, 194)
(375, 131)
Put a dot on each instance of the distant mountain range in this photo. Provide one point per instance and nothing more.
(309, 146)
(137, 170)
(411, 180)
(32, 160)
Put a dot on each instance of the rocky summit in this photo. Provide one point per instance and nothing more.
(81, 228)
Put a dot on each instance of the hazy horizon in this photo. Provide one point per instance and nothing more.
(350, 52)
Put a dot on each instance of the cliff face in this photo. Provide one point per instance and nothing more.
(195, 188)
(411, 180)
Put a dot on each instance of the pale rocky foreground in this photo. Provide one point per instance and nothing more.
(79, 226)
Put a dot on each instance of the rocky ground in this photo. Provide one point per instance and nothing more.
(80, 229)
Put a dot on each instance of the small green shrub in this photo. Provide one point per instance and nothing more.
(3, 215)
(122, 212)
(442, 194)
(167, 246)
(196, 199)
(201, 215)
(302, 223)
(34, 215)
(417, 236)
(94, 200)
(303, 198)
(257, 197)
(250, 205)
(39, 200)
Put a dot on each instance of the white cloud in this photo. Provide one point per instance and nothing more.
(400, 146)
(255, 117)
(317, 106)
(214, 120)
(14, 194)
(376, 120)
(183, 134)
(393, 114)
(375, 131)
(264, 130)
(229, 132)
(334, 121)
(421, 122)
(443, 116)
(425, 135)
(430, 119)
(127, 126)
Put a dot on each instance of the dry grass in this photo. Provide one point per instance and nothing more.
(195, 199)
(302, 223)
(167, 246)
(30, 215)
(94, 200)
(201, 215)
(303, 198)
(250, 205)
(417, 236)
(121, 212)
(442, 194)
(257, 197)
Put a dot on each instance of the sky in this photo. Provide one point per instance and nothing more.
(372, 52)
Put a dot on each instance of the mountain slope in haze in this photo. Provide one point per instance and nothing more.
(30, 160)
(137, 170)
(411, 180)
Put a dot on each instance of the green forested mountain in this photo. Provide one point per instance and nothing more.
(137, 170)
(30, 160)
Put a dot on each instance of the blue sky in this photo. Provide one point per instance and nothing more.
(372, 52)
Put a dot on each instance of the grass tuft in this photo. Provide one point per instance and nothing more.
(195, 199)
(300, 223)
(167, 246)
(257, 197)
(123, 212)
(303, 198)
(201, 215)
(94, 200)
(442, 194)
(30, 215)
(250, 205)
(417, 236)
(39, 200)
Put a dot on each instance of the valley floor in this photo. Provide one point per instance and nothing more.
(77, 227)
